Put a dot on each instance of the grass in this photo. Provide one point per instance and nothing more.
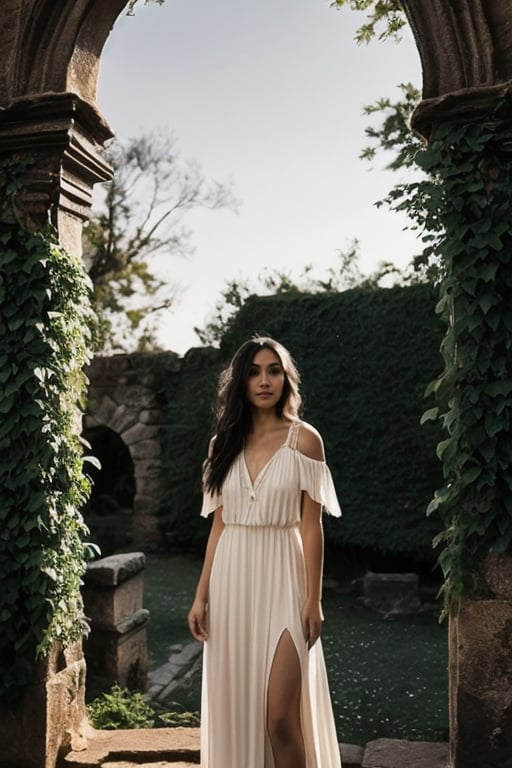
(388, 678)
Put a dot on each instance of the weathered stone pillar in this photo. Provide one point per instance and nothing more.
(49, 60)
(113, 597)
(61, 134)
(480, 638)
(53, 717)
(466, 53)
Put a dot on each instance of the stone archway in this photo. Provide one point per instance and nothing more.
(124, 401)
(49, 59)
(466, 53)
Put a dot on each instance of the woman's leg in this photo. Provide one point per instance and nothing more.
(283, 706)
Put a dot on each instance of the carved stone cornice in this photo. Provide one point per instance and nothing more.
(61, 134)
(469, 105)
(49, 63)
(465, 48)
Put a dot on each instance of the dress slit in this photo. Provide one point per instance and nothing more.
(272, 656)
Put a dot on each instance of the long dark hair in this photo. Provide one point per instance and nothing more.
(234, 420)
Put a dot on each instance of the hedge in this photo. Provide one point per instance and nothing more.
(365, 357)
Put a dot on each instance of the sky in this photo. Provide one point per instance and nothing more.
(268, 95)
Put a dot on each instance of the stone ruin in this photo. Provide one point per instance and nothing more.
(124, 425)
(116, 647)
(49, 61)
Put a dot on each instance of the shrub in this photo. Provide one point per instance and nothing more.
(121, 708)
(366, 356)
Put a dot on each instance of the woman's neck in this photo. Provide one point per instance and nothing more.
(265, 421)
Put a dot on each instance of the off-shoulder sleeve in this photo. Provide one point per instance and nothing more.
(316, 479)
(210, 502)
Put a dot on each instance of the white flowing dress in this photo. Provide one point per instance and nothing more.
(257, 591)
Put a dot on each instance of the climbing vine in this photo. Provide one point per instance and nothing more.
(45, 317)
(466, 205)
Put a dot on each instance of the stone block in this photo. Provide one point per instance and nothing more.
(140, 432)
(120, 653)
(139, 397)
(145, 508)
(123, 418)
(108, 606)
(481, 684)
(138, 747)
(149, 486)
(113, 596)
(113, 588)
(391, 593)
(106, 409)
(393, 753)
(145, 449)
(145, 527)
(351, 755)
(115, 569)
(151, 416)
(148, 468)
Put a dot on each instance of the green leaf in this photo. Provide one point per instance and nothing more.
(494, 424)
(430, 415)
(502, 387)
(470, 475)
(487, 301)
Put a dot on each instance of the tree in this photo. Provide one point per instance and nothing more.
(140, 217)
(346, 274)
(393, 135)
(133, 3)
(388, 14)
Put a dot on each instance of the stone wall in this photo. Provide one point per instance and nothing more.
(124, 397)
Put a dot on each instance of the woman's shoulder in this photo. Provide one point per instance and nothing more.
(309, 442)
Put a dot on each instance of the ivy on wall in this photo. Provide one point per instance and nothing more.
(365, 357)
(45, 316)
(188, 392)
(469, 199)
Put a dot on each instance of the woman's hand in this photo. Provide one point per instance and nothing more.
(312, 619)
(197, 620)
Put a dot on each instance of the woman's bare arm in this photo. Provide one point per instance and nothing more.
(313, 543)
(197, 613)
(310, 443)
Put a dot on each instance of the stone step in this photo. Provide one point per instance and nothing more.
(143, 746)
(159, 764)
(179, 748)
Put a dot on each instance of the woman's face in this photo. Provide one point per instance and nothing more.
(266, 379)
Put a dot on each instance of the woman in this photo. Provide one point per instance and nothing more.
(265, 701)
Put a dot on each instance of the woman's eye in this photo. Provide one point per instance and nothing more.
(275, 371)
(253, 371)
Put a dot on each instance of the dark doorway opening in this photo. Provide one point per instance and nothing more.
(109, 511)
